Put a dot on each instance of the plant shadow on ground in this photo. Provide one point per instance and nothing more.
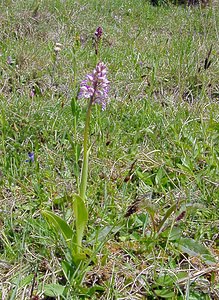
(153, 174)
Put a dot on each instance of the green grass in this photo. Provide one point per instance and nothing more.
(154, 148)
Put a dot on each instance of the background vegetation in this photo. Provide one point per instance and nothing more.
(154, 166)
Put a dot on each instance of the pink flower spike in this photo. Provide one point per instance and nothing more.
(96, 86)
(32, 94)
(98, 33)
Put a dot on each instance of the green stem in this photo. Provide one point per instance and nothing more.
(84, 172)
(167, 215)
(3, 122)
(153, 224)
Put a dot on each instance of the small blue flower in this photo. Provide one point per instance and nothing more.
(31, 157)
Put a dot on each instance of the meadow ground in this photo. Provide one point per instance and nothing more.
(153, 183)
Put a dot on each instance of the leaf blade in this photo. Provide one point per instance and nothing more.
(81, 218)
(59, 224)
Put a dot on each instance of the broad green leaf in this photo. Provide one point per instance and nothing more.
(74, 107)
(104, 232)
(62, 199)
(67, 269)
(78, 257)
(53, 290)
(160, 174)
(194, 248)
(145, 177)
(167, 215)
(90, 292)
(164, 293)
(81, 218)
(209, 259)
(59, 224)
(165, 280)
(23, 282)
(187, 162)
(172, 234)
(193, 295)
(182, 275)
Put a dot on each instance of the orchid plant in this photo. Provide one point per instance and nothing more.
(97, 39)
(95, 89)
